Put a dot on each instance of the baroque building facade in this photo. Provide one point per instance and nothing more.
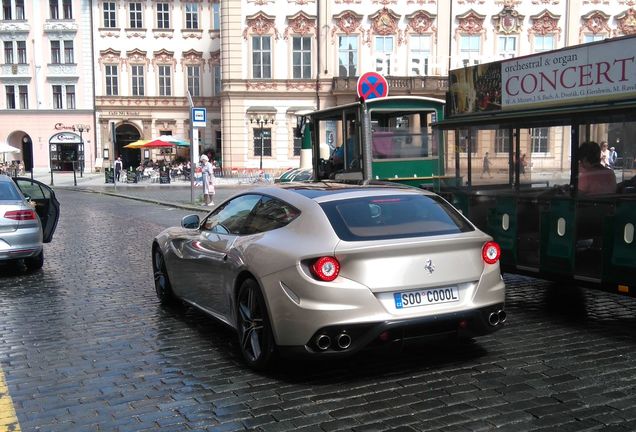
(46, 81)
(124, 68)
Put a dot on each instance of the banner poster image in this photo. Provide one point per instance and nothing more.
(475, 89)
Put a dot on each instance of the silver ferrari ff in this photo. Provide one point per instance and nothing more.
(330, 269)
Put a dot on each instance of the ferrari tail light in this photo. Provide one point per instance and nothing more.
(20, 215)
(326, 268)
(491, 252)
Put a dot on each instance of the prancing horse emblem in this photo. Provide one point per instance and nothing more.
(428, 265)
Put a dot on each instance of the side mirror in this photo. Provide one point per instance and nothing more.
(190, 222)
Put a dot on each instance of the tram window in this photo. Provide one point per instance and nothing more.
(403, 137)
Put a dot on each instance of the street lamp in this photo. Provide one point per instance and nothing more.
(81, 128)
(261, 121)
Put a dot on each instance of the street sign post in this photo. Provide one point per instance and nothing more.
(199, 117)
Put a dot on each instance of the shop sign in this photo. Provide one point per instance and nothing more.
(65, 138)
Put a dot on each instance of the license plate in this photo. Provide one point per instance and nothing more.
(426, 297)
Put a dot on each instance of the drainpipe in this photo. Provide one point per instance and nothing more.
(318, 35)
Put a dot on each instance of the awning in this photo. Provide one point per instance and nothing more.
(261, 110)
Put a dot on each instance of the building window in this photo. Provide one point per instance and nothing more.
(217, 80)
(383, 53)
(216, 17)
(19, 10)
(24, 96)
(507, 46)
(10, 91)
(22, 56)
(261, 56)
(301, 47)
(348, 56)
(68, 52)
(194, 80)
(67, 7)
(57, 97)
(112, 85)
(137, 74)
(594, 37)
(420, 54)
(192, 15)
(110, 15)
(502, 141)
(265, 143)
(463, 140)
(539, 140)
(70, 97)
(6, 10)
(136, 15)
(8, 52)
(470, 48)
(543, 43)
(165, 87)
(54, 10)
(163, 15)
(55, 52)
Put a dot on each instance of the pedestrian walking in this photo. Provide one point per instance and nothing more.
(486, 167)
(207, 179)
(613, 156)
(119, 165)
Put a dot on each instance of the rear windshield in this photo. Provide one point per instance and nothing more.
(397, 216)
(8, 192)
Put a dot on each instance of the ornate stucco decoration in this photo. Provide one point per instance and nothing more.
(163, 33)
(544, 2)
(421, 2)
(164, 57)
(508, 4)
(67, 28)
(347, 22)
(192, 33)
(260, 2)
(463, 2)
(8, 27)
(303, 2)
(545, 23)
(627, 22)
(135, 33)
(136, 57)
(470, 23)
(384, 22)
(109, 56)
(348, 1)
(261, 24)
(261, 85)
(420, 22)
(300, 85)
(191, 57)
(595, 22)
(605, 2)
(300, 24)
(508, 21)
(629, 3)
(384, 2)
(108, 32)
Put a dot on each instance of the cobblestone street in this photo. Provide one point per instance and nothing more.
(85, 346)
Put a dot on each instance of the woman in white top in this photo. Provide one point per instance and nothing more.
(207, 173)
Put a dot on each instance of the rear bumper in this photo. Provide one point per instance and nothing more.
(23, 243)
(358, 337)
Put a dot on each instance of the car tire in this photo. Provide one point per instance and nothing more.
(256, 341)
(36, 262)
(163, 287)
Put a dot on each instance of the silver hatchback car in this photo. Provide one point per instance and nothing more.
(29, 212)
(328, 269)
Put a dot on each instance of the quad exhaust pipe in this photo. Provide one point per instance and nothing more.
(323, 341)
(496, 318)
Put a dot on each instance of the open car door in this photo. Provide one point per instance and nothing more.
(46, 205)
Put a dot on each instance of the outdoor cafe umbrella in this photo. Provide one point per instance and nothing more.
(172, 140)
(136, 144)
(6, 148)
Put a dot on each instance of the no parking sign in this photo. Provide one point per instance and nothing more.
(372, 85)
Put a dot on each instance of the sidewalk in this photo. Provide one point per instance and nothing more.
(175, 194)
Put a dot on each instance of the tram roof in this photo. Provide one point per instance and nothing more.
(406, 103)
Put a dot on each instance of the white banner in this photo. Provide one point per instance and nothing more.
(599, 71)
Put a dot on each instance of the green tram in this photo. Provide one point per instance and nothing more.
(513, 130)
(381, 139)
